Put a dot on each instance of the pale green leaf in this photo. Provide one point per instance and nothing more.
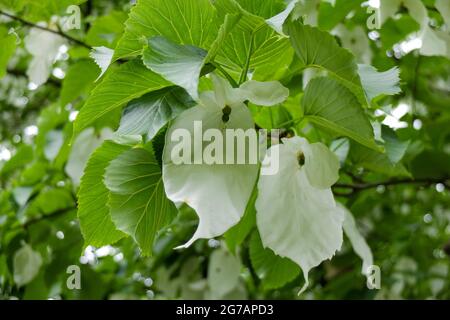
(444, 8)
(378, 83)
(138, 203)
(182, 21)
(84, 144)
(179, 64)
(54, 140)
(26, 263)
(148, 114)
(252, 40)
(79, 77)
(332, 106)
(395, 148)
(319, 49)
(132, 80)
(95, 220)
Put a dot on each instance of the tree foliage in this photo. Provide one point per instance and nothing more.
(360, 96)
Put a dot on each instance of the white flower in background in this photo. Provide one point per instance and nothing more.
(217, 192)
(44, 47)
(297, 216)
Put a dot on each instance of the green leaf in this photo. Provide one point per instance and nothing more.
(179, 64)
(377, 83)
(252, 40)
(106, 30)
(443, 7)
(139, 206)
(23, 156)
(237, 234)
(319, 49)
(148, 114)
(183, 21)
(51, 200)
(376, 162)
(95, 220)
(102, 57)
(331, 15)
(273, 270)
(79, 78)
(8, 45)
(332, 106)
(130, 81)
(431, 164)
(395, 148)
(26, 265)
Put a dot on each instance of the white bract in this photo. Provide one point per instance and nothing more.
(358, 242)
(103, 58)
(43, 46)
(217, 192)
(297, 216)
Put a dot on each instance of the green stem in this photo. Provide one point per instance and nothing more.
(226, 74)
(243, 77)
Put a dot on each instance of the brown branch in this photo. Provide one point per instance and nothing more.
(57, 32)
(54, 214)
(357, 187)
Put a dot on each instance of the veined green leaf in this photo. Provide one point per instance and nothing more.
(318, 49)
(148, 114)
(95, 220)
(130, 81)
(183, 21)
(377, 83)
(376, 161)
(179, 64)
(252, 40)
(8, 44)
(332, 106)
(237, 234)
(274, 271)
(78, 79)
(138, 202)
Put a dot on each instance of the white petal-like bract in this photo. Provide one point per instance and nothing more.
(295, 219)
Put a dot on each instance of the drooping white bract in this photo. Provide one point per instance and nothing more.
(43, 46)
(358, 242)
(297, 216)
(217, 192)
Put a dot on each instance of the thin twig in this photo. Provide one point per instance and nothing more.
(57, 32)
(364, 186)
(54, 214)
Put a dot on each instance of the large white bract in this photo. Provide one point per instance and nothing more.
(297, 216)
(217, 192)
